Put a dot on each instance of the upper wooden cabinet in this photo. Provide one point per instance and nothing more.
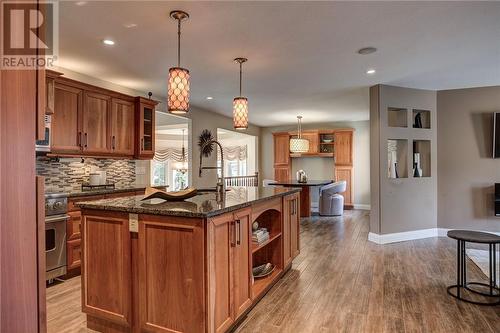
(95, 120)
(66, 131)
(122, 126)
(343, 148)
(50, 82)
(92, 121)
(281, 156)
(145, 128)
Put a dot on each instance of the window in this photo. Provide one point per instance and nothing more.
(179, 180)
(159, 173)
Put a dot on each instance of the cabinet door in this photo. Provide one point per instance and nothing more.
(66, 120)
(313, 137)
(74, 253)
(221, 242)
(146, 130)
(345, 173)
(73, 225)
(287, 212)
(122, 127)
(96, 111)
(281, 149)
(106, 272)
(171, 269)
(294, 226)
(242, 263)
(343, 148)
(281, 174)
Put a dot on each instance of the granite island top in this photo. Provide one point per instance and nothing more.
(201, 206)
(86, 193)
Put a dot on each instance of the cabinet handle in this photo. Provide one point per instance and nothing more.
(142, 143)
(238, 240)
(113, 142)
(86, 139)
(79, 139)
(233, 236)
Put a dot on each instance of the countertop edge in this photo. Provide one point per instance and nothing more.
(88, 205)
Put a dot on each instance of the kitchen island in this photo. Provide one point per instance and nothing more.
(156, 266)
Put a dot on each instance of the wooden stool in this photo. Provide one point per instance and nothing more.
(463, 236)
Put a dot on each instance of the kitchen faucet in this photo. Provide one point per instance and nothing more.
(221, 184)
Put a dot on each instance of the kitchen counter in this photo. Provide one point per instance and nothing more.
(199, 206)
(87, 193)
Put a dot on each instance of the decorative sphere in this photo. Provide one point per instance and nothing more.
(255, 226)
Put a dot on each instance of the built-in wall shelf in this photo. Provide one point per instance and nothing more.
(421, 119)
(397, 117)
(397, 160)
(421, 158)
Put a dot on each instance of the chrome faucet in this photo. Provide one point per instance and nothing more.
(221, 184)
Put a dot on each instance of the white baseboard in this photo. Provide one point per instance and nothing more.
(411, 235)
(362, 206)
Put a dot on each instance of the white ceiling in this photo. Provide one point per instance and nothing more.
(302, 55)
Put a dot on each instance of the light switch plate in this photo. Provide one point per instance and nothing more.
(133, 222)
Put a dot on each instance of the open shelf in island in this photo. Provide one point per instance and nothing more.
(260, 285)
(256, 247)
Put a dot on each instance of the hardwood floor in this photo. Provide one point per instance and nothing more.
(342, 283)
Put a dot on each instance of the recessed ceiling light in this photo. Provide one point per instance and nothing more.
(108, 42)
(81, 3)
(130, 25)
(367, 50)
(371, 71)
(210, 97)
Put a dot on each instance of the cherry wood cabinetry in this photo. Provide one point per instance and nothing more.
(93, 121)
(50, 90)
(122, 126)
(145, 128)
(181, 274)
(282, 165)
(66, 131)
(334, 143)
(291, 211)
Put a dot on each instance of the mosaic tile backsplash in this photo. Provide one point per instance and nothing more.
(68, 174)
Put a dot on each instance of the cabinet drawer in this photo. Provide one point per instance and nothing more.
(73, 251)
(73, 225)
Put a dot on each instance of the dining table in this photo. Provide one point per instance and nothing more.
(305, 193)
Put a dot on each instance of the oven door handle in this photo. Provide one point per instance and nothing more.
(58, 218)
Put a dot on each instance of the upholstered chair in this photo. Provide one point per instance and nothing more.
(331, 202)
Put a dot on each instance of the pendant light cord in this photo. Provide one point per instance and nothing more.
(241, 73)
(178, 43)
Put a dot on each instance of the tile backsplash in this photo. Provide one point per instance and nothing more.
(68, 174)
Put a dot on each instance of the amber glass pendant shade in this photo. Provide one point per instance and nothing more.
(178, 90)
(240, 113)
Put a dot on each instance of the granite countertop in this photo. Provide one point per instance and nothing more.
(201, 206)
(85, 193)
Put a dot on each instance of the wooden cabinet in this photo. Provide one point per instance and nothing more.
(282, 167)
(291, 211)
(313, 138)
(231, 267)
(343, 148)
(122, 125)
(73, 254)
(106, 272)
(171, 268)
(66, 132)
(73, 225)
(95, 120)
(346, 173)
(145, 128)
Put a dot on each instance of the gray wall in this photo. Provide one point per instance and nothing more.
(466, 169)
(403, 204)
(315, 167)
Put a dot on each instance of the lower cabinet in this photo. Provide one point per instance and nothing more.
(345, 173)
(291, 213)
(229, 265)
(73, 254)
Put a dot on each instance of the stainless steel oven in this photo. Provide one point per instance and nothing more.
(44, 145)
(56, 206)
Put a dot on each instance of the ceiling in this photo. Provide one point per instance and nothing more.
(302, 55)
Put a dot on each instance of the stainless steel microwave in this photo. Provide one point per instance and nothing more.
(44, 145)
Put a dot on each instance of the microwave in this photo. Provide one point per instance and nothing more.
(44, 145)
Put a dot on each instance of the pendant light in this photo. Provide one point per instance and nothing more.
(178, 77)
(240, 104)
(182, 166)
(298, 144)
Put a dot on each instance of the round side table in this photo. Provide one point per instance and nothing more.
(463, 236)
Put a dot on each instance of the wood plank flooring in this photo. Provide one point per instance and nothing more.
(342, 283)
